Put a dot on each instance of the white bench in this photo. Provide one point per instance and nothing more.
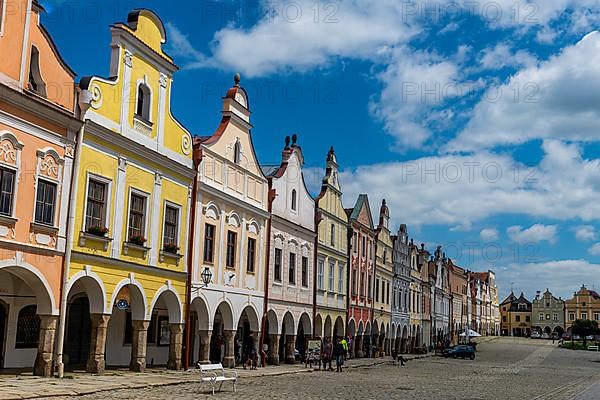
(215, 373)
(593, 348)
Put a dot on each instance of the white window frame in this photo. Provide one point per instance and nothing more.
(56, 198)
(139, 192)
(144, 82)
(179, 208)
(341, 269)
(331, 276)
(584, 315)
(2, 16)
(571, 316)
(16, 171)
(321, 274)
(108, 183)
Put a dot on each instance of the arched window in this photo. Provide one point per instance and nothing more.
(294, 200)
(143, 102)
(28, 328)
(36, 83)
(333, 234)
(237, 152)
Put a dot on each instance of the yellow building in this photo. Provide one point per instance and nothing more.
(332, 256)
(384, 275)
(127, 276)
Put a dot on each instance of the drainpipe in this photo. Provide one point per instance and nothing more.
(190, 263)
(349, 237)
(271, 197)
(373, 289)
(85, 100)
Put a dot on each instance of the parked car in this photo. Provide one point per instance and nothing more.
(461, 351)
(535, 335)
(545, 336)
(590, 337)
(566, 336)
(576, 337)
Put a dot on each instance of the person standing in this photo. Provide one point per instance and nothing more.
(345, 346)
(327, 355)
(339, 355)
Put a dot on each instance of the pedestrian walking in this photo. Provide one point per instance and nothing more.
(327, 355)
(345, 346)
(339, 355)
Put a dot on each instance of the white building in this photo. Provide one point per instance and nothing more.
(291, 258)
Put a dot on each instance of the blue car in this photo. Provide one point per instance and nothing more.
(461, 351)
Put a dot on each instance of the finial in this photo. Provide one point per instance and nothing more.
(287, 142)
(384, 202)
(331, 150)
(237, 78)
(294, 139)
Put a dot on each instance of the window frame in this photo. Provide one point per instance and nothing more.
(331, 276)
(292, 268)
(4, 169)
(140, 86)
(212, 247)
(177, 208)
(294, 196)
(231, 247)
(107, 195)
(321, 274)
(304, 276)
(332, 232)
(341, 269)
(2, 16)
(251, 259)
(21, 344)
(278, 265)
(55, 185)
(146, 196)
(35, 72)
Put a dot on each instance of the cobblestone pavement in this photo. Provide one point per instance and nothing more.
(504, 369)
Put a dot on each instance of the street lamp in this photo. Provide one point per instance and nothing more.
(206, 276)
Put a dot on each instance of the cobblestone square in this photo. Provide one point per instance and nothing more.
(505, 368)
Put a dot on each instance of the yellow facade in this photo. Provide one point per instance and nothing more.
(384, 281)
(135, 179)
(330, 319)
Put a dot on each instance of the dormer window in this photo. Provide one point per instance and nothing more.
(144, 98)
(36, 83)
(294, 200)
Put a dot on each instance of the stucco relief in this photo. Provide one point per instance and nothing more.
(49, 167)
(8, 153)
(96, 102)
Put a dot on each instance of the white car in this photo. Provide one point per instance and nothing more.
(545, 336)
(535, 335)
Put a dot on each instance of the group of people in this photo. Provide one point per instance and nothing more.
(330, 351)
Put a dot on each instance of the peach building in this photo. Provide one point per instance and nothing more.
(38, 127)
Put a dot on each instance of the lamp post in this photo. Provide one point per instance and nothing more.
(206, 276)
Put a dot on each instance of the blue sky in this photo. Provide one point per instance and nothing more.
(477, 121)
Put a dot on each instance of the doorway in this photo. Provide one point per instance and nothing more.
(77, 344)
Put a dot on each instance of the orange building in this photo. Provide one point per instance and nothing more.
(38, 127)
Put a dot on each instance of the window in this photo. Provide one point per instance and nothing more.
(518, 318)
(36, 83)
(251, 255)
(294, 200)
(333, 234)
(571, 316)
(95, 211)
(362, 284)
(364, 246)
(369, 294)
(237, 152)
(355, 242)
(377, 290)
(584, 315)
(541, 316)
(209, 243)
(527, 318)
(384, 256)
(7, 186)
(304, 271)
(292, 269)
(522, 306)
(341, 279)
(128, 334)
(555, 317)
(171, 226)
(278, 262)
(387, 297)
(137, 217)
(504, 318)
(143, 102)
(596, 316)
(231, 244)
(45, 203)
(331, 276)
(354, 282)
(321, 275)
(28, 328)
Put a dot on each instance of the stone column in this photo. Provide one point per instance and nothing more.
(204, 347)
(387, 346)
(274, 349)
(398, 345)
(359, 346)
(290, 346)
(139, 338)
(229, 338)
(96, 363)
(175, 346)
(45, 354)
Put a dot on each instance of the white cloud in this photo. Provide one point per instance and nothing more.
(489, 234)
(461, 189)
(535, 234)
(556, 99)
(595, 250)
(562, 277)
(585, 233)
(501, 56)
